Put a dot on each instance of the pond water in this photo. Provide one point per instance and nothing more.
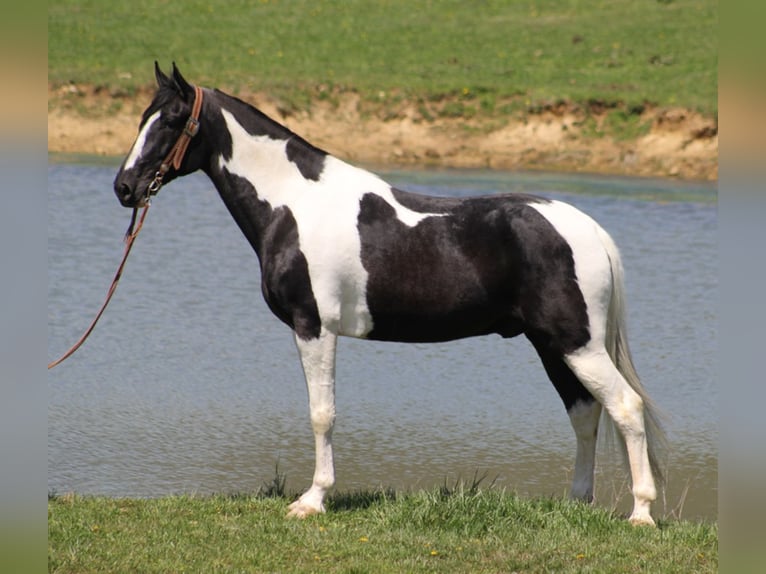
(190, 385)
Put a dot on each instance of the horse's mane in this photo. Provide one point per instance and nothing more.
(251, 116)
(258, 123)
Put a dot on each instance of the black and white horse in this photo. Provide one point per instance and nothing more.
(343, 253)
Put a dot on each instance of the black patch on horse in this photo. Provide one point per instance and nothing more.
(438, 204)
(566, 383)
(488, 265)
(309, 159)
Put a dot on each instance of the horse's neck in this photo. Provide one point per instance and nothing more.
(260, 169)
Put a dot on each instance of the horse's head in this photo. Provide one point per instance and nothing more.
(155, 157)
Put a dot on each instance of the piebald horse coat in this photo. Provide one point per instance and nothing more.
(343, 253)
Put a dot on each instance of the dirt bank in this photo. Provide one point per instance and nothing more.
(665, 142)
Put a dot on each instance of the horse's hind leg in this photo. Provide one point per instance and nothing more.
(600, 376)
(584, 416)
(318, 359)
(584, 412)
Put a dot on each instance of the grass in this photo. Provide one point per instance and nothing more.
(490, 58)
(442, 530)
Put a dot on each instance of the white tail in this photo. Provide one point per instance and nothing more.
(619, 352)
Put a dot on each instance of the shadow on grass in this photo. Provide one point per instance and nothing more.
(362, 499)
(359, 500)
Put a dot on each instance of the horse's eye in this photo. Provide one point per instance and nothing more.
(172, 117)
(171, 121)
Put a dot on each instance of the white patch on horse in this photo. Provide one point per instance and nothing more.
(591, 260)
(326, 212)
(138, 145)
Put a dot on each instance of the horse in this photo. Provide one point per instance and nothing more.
(343, 253)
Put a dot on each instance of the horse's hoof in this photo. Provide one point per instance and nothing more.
(299, 509)
(642, 521)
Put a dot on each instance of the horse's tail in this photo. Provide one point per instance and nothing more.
(619, 351)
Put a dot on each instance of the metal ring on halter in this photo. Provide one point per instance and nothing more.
(156, 184)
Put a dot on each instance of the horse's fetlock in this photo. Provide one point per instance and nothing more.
(646, 492)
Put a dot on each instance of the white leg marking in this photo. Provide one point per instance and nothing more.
(318, 359)
(138, 145)
(584, 417)
(598, 374)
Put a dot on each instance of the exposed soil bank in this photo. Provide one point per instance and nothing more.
(662, 142)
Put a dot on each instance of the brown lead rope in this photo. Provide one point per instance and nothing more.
(130, 237)
(173, 159)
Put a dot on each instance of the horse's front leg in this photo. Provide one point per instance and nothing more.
(318, 359)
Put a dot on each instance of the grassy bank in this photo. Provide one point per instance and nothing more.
(489, 58)
(574, 85)
(442, 530)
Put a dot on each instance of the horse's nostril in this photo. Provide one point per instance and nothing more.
(125, 191)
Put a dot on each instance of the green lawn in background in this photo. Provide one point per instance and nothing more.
(659, 52)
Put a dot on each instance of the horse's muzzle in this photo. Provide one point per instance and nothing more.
(125, 194)
(128, 195)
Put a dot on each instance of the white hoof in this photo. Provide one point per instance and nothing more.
(304, 507)
(302, 511)
(642, 520)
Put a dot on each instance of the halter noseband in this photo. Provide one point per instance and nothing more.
(177, 152)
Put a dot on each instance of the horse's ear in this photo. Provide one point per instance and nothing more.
(184, 88)
(162, 79)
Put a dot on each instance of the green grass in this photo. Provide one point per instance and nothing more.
(441, 530)
(488, 57)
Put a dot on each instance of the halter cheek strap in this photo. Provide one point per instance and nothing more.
(177, 152)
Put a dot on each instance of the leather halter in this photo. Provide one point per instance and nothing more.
(177, 152)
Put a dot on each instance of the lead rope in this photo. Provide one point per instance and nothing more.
(130, 238)
(173, 159)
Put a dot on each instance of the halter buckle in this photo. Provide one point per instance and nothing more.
(192, 127)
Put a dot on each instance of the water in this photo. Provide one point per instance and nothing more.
(189, 384)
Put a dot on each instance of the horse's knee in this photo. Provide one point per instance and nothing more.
(322, 419)
(600, 376)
